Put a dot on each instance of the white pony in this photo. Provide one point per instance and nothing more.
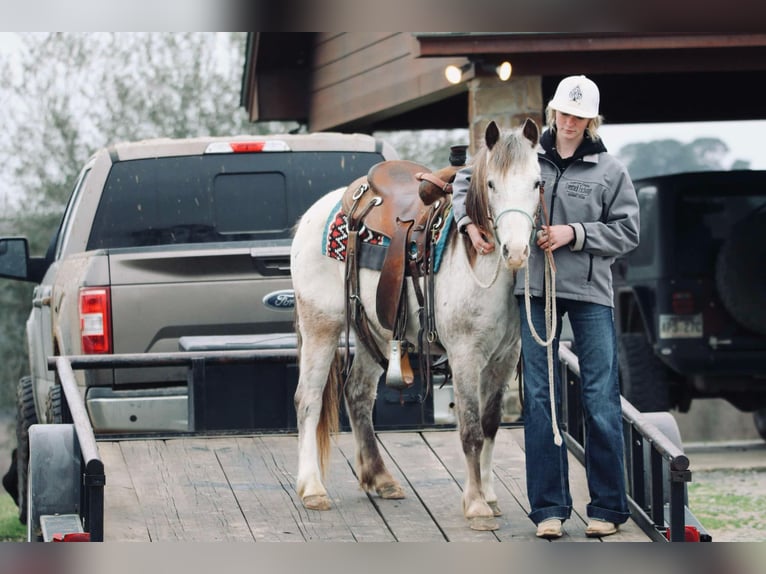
(476, 317)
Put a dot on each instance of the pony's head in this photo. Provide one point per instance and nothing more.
(504, 193)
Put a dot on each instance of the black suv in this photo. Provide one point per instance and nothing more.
(690, 300)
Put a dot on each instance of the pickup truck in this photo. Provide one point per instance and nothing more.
(162, 240)
(690, 300)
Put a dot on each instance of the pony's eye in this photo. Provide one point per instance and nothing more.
(491, 184)
(538, 183)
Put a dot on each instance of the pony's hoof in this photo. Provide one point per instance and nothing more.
(483, 523)
(495, 508)
(317, 502)
(391, 492)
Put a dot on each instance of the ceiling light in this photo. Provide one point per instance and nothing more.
(454, 74)
(503, 71)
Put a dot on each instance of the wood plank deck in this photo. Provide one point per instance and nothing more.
(242, 488)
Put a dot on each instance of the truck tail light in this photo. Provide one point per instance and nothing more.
(682, 303)
(96, 320)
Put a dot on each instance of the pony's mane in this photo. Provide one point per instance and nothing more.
(508, 150)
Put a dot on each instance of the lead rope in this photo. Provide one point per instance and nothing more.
(550, 322)
(492, 279)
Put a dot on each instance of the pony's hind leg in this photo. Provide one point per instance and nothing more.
(360, 391)
(318, 348)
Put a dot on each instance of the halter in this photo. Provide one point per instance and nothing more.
(496, 220)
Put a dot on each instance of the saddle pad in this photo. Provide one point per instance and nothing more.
(335, 239)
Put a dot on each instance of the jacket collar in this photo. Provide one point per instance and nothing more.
(587, 151)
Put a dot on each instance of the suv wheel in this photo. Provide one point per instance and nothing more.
(643, 378)
(739, 281)
(759, 417)
(26, 416)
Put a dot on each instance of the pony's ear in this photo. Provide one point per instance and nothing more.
(531, 131)
(492, 134)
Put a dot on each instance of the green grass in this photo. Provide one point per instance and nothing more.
(11, 530)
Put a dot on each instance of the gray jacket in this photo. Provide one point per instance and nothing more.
(595, 195)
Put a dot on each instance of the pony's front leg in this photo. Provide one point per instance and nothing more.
(488, 476)
(477, 511)
(492, 392)
(493, 387)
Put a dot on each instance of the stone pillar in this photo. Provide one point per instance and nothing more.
(508, 103)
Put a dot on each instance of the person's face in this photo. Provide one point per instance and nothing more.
(570, 127)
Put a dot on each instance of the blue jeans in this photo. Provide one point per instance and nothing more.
(547, 464)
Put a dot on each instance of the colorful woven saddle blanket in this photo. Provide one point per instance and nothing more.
(372, 245)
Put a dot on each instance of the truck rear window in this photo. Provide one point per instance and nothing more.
(215, 198)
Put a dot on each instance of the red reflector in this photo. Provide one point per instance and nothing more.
(683, 303)
(95, 320)
(246, 147)
(72, 537)
(691, 534)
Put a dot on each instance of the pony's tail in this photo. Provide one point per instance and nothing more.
(329, 419)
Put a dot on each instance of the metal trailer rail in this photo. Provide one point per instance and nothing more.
(93, 477)
(648, 453)
(648, 511)
(92, 474)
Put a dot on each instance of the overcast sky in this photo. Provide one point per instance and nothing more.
(743, 138)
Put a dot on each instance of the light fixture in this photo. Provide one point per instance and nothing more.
(454, 74)
(503, 71)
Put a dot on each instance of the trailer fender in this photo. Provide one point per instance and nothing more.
(54, 474)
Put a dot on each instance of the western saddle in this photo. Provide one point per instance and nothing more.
(405, 202)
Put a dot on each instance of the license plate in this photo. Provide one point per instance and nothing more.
(681, 326)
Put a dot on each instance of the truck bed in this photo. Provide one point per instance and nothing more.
(242, 488)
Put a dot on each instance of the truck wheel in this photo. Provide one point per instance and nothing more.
(759, 417)
(643, 378)
(26, 416)
(53, 406)
(741, 284)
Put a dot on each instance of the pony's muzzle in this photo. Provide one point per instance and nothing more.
(515, 258)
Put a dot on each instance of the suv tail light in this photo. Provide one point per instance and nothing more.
(95, 320)
(682, 303)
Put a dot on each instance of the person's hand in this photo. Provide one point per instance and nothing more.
(554, 236)
(479, 240)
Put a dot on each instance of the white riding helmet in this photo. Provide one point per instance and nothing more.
(576, 95)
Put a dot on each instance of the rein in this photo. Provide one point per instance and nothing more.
(550, 318)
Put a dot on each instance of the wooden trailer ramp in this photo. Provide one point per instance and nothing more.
(242, 488)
